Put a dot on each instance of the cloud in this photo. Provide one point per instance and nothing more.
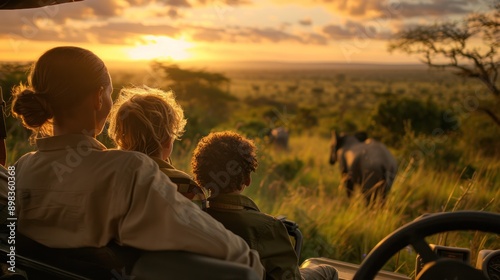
(230, 2)
(241, 34)
(176, 3)
(173, 13)
(120, 33)
(237, 34)
(305, 22)
(351, 29)
(315, 39)
(104, 33)
(125, 21)
(268, 34)
(108, 8)
(392, 8)
(338, 31)
(208, 34)
(345, 7)
(437, 8)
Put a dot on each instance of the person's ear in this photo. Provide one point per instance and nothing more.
(167, 148)
(247, 181)
(97, 98)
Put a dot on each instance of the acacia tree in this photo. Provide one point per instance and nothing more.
(470, 47)
(201, 92)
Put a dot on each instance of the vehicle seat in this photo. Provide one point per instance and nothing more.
(93, 263)
(116, 262)
(184, 265)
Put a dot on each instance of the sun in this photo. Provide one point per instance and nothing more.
(160, 47)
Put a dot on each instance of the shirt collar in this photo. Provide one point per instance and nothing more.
(63, 142)
(162, 163)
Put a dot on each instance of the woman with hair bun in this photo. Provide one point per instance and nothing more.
(72, 192)
(60, 82)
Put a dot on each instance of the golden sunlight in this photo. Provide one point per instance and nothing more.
(160, 47)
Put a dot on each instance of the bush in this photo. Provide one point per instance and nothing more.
(305, 119)
(483, 136)
(288, 168)
(436, 152)
(390, 117)
(253, 129)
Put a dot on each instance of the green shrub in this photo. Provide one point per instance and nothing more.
(435, 152)
(253, 129)
(305, 119)
(480, 136)
(287, 169)
(390, 117)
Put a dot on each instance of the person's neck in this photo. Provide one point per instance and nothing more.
(238, 191)
(166, 150)
(157, 155)
(76, 124)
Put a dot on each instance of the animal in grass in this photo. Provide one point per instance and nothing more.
(278, 137)
(363, 162)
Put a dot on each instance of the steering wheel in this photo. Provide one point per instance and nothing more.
(414, 234)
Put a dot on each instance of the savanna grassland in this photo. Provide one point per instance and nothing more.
(448, 152)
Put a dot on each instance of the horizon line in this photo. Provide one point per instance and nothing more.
(243, 61)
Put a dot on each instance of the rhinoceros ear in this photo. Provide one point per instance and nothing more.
(361, 135)
(335, 138)
(335, 135)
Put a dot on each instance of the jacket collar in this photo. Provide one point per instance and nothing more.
(68, 141)
(162, 163)
(233, 201)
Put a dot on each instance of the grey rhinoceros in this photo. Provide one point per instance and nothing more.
(367, 163)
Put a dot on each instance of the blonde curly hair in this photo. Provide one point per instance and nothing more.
(144, 119)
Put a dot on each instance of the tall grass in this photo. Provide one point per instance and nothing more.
(300, 184)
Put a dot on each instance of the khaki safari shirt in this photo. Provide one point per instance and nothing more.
(73, 192)
(262, 232)
(185, 184)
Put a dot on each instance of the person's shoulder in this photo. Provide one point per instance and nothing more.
(4, 180)
(133, 155)
(3, 173)
(172, 172)
(24, 158)
(271, 220)
(264, 218)
(260, 222)
(27, 155)
(129, 158)
(177, 174)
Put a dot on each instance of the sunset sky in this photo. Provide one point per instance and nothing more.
(347, 31)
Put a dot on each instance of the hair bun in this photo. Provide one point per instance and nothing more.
(33, 108)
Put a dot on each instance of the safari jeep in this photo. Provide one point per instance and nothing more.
(31, 260)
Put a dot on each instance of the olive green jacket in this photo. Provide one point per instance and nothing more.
(185, 184)
(262, 232)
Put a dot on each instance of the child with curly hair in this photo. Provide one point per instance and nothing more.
(222, 162)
